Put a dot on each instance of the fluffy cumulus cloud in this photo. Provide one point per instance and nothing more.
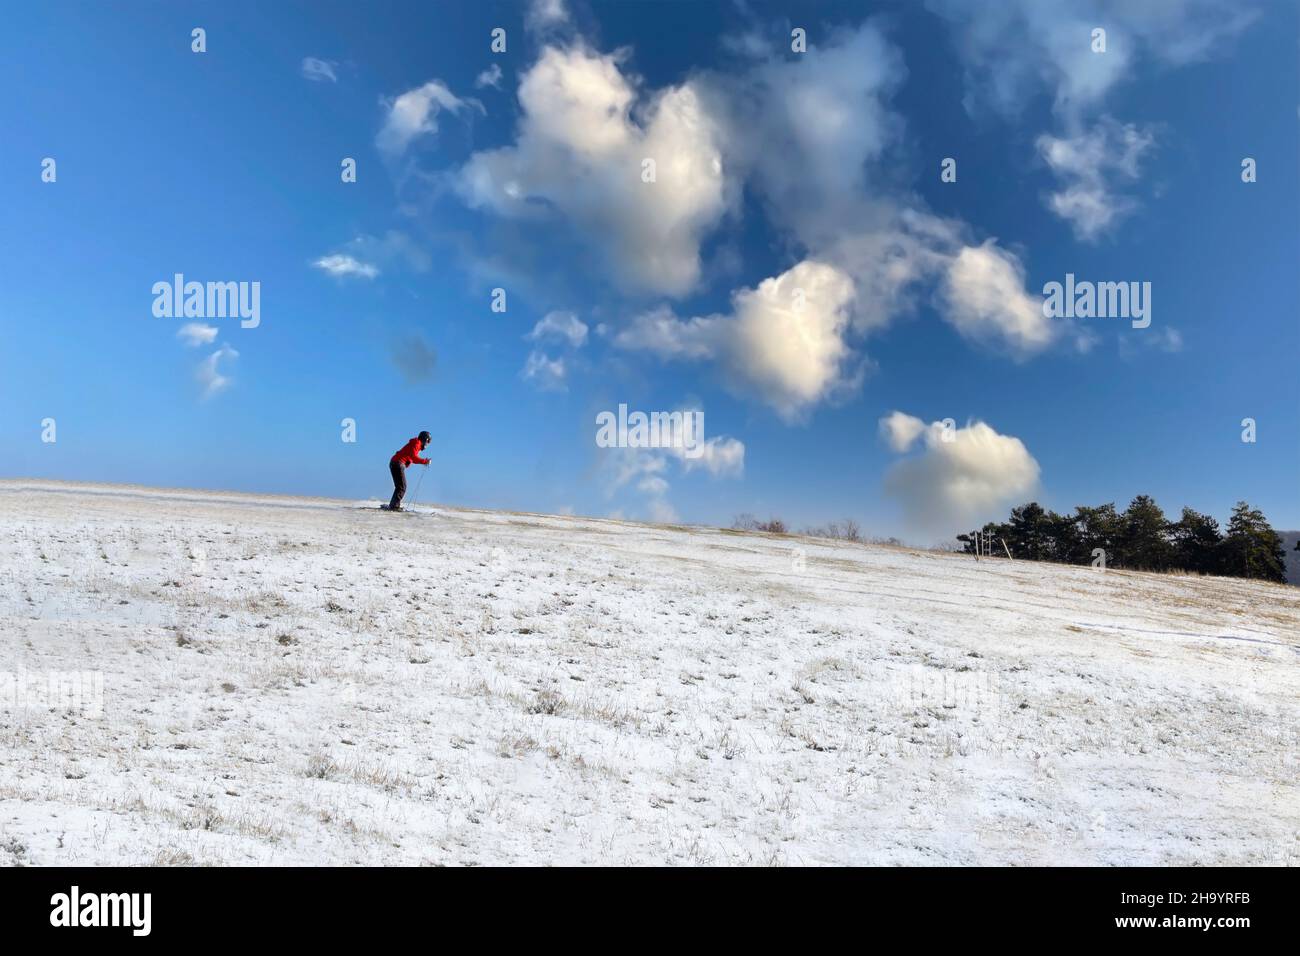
(787, 341)
(959, 477)
(584, 135)
(808, 136)
(870, 248)
(786, 338)
(415, 113)
(1088, 166)
(900, 430)
(984, 294)
(783, 341)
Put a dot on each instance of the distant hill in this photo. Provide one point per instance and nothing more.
(1289, 538)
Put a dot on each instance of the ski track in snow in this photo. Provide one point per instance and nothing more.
(297, 681)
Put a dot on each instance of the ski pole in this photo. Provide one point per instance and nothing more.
(420, 481)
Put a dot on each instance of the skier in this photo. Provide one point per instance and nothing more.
(409, 455)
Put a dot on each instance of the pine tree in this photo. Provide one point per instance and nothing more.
(1196, 541)
(996, 531)
(1251, 548)
(1144, 543)
(1098, 527)
(1063, 532)
(1029, 532)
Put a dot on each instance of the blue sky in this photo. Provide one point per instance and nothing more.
(777, 171)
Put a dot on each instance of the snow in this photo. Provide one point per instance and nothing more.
(299, 681)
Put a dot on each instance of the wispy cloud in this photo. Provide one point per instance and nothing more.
(548, 374)
(544, 15)
(209, 375)
(415, 113)
(647, 469)
(195, 334)
(560, 326)
(319, 70)
(341, 265)
(489, 77)
(1014, 50)
(1088, 166)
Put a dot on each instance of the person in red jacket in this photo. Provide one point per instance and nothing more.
(408, 455)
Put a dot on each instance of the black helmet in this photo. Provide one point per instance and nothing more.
(425, 437)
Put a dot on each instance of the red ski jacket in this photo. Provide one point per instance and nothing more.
(410, 454)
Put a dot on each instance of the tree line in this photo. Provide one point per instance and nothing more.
(1141, 538)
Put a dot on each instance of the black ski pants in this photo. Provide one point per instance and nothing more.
(399, 483)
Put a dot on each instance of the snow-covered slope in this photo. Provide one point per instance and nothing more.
(305, 681)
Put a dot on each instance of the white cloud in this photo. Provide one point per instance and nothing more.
(1015, 48)
(661, 512)
(363, 256)
(720, 456)
(662, 333)
(341, 265)
(983, 291)
(208, 373)
(1167, 340)
(1086, 164)
(415, 114)
(803, 130)
(319, 70)
(888, 254)
(808, 136)
(784, 341)
(579, 154)
(653, 485)
(560, 327)
(623, 465)
(195, 334)
(647, 469)
(952, 486)
(900, 430)
(543, 15)
(548, 374)
(489, 77)
(794, 355)
(1157, 338)
(831, 117)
